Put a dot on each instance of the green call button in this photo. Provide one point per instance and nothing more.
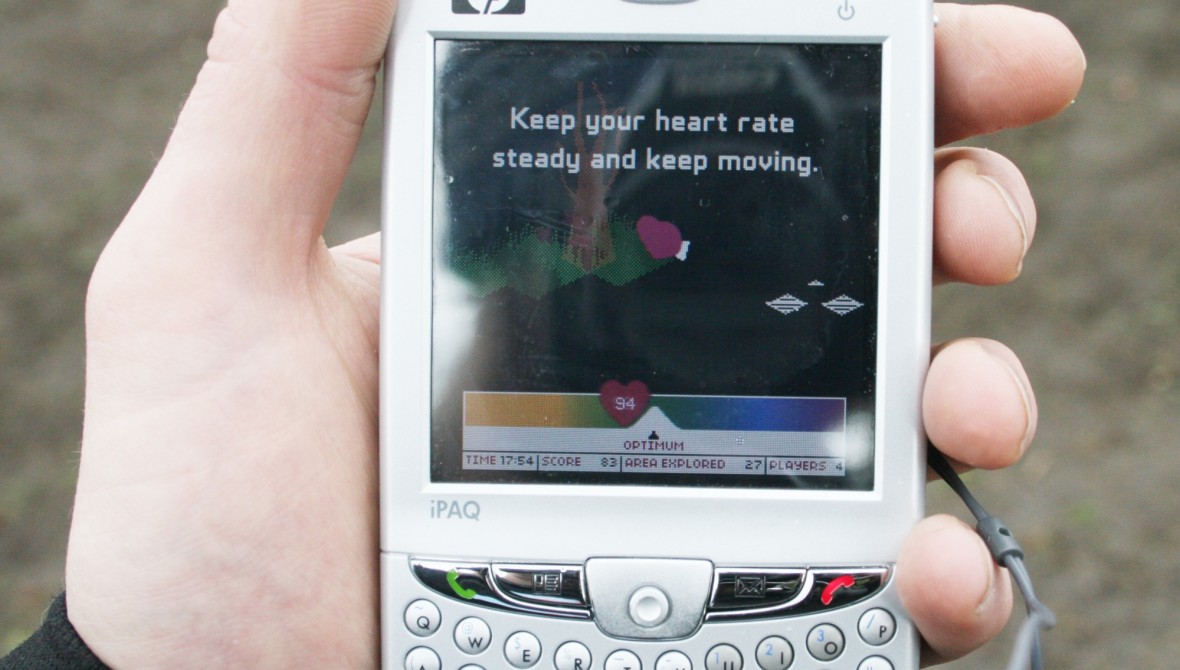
(453, 582)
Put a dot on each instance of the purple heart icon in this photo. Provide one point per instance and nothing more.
(661, 238)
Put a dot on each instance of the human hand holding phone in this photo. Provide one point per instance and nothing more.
(226, 506)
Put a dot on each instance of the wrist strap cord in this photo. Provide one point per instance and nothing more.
(1006, 552)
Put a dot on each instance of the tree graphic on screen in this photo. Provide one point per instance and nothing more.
(589, 245)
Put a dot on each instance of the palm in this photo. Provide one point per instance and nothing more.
(273, 505)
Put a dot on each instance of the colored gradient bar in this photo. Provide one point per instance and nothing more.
(583, 410)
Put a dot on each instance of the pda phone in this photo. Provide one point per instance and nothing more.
(655, 324)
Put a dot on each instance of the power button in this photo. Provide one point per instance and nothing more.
(846, 10)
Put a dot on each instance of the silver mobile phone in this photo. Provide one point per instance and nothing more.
(655, 324)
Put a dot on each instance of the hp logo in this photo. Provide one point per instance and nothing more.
(487, 6)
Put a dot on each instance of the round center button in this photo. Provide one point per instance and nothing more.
(648, 606)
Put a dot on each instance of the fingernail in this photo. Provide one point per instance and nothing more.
(1013, 209)
(989, 569)
(1017, 215)
(1007, 359)
(950, 527)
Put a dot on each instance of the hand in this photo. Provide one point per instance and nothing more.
(226, 505)
(996, 67)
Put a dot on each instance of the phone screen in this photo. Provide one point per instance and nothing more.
(655, 263)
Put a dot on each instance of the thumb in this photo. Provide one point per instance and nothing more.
(265, 139)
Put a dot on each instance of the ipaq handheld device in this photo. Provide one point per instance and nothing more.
(656, 313)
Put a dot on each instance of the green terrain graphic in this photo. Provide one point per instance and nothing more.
(535, 266)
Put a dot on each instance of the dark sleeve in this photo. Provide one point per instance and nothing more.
(56, 646)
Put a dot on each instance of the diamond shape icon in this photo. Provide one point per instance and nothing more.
(843, 305)
(786, 304)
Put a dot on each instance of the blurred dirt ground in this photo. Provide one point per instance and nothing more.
(89, 90)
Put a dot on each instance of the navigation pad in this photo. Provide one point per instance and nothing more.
(568, 590)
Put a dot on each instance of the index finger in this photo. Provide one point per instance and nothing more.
(1000, 67)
